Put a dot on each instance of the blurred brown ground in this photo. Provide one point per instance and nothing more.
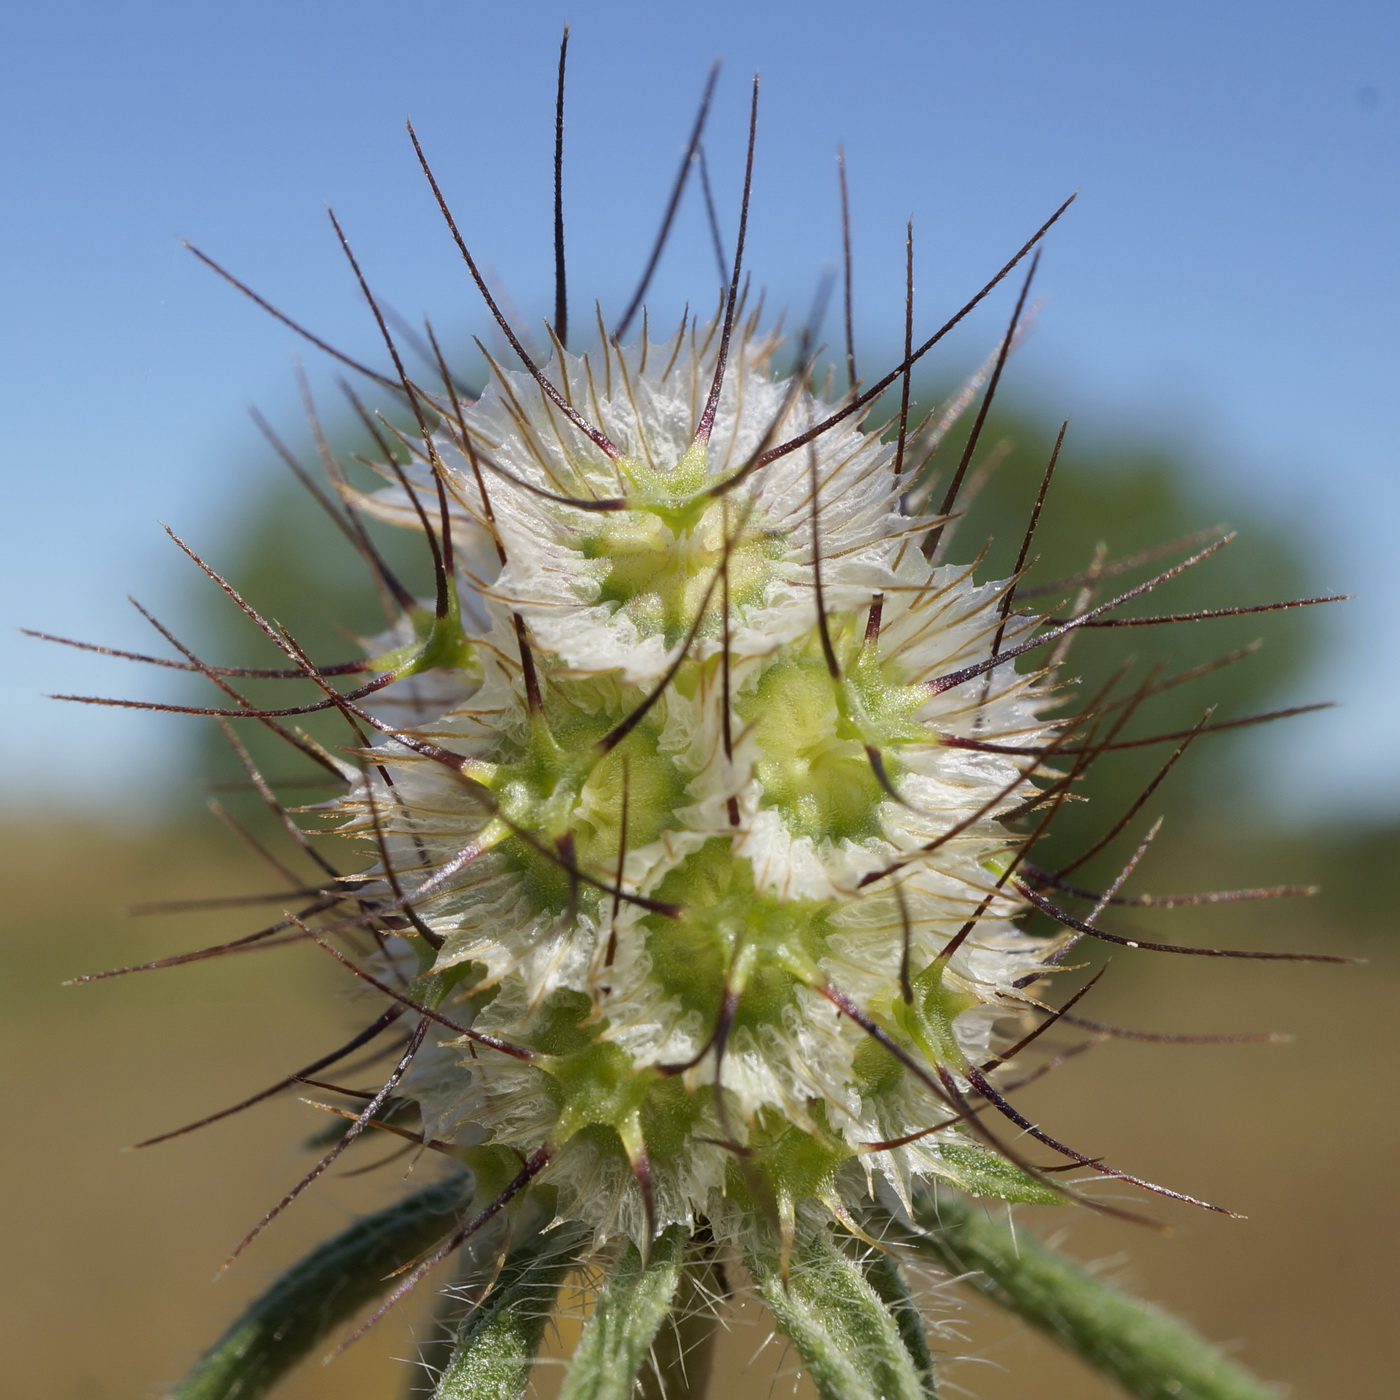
(109, 1255)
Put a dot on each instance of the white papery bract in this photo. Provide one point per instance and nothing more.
(667, 830)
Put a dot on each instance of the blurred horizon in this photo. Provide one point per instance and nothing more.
(1221, 286)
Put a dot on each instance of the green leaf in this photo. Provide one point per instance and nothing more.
(327, 1288)
(631, 1307)
(1152, 1355)
(982, 1172)
(852, 1340)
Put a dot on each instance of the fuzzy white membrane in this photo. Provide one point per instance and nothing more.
(647, 399)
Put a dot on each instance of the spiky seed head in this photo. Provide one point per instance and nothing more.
(691, 802)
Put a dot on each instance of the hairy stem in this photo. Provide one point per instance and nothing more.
(1146, 1351)
(498, 1339)
(683, 1353)
(631, 1308)
(850, 1337)
(884, 1276)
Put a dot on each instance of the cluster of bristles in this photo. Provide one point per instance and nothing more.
(695, 864)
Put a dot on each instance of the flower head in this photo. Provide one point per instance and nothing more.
(708, 791)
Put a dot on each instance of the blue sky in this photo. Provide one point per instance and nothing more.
(1228, 277)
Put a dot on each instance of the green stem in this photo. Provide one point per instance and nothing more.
(682, 1354)
(436, 1350)
(884, 1276)
(631, 1307)
(847, 1335)
(328, 1287)
(498, 1339)
(1150, 1354)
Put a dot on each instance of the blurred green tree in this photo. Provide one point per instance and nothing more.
(1113, 501)
(289, 560)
